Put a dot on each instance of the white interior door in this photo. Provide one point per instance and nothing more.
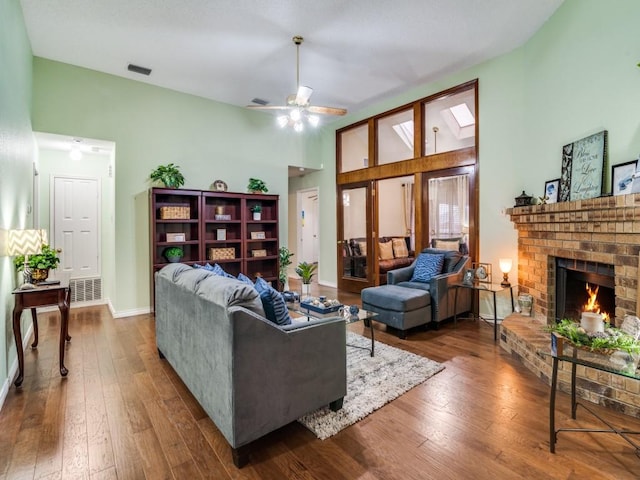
(76, 210)
(308, 226)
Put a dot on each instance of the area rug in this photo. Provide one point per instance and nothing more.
(371, 383)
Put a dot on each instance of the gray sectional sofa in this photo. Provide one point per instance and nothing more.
(250, 375)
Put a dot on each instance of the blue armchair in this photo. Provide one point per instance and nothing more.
(442, 296)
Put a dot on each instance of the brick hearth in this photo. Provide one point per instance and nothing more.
(602, 230)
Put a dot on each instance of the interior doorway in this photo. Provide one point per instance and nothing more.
(308, 225)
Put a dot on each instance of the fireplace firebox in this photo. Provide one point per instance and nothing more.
(574, 278)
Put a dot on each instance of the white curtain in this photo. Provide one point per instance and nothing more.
(408, 211)
(449, 206)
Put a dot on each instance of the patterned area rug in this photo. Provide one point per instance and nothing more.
(371, 383)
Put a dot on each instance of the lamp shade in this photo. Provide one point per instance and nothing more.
(505, 265)
(26, 242)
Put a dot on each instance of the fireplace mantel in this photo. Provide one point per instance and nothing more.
(602, 230)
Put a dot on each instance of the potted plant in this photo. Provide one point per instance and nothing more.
(169, 175)
(257, 186)
(306, 271)
(173, 254)
(257, 211)
(39, 263)
(285, 261)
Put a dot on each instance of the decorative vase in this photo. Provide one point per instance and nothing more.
(174, 259)
(526, 302)
(306, 289)
(39, 274)
(257, 215)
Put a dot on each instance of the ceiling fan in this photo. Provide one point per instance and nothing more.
(297, 104)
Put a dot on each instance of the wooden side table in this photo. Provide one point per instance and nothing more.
(41, 296)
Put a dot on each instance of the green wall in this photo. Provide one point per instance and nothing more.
(16, 164)
(574, 77)
(152, 126)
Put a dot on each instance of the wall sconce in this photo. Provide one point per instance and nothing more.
(505, 268)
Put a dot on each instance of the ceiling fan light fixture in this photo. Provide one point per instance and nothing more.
(313, 120)
(295, 114)
(283, 121)
(298, 126)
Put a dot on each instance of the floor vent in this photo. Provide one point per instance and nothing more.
(86, 289)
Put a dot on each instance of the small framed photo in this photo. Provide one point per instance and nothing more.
(551, 190)
(176, 237)
(259, 253)
(468, 277)
(221, 234)
(258, 236)
(622, 177)
(482, 272)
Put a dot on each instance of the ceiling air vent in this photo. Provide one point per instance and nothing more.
(137, 69)
(260, 101)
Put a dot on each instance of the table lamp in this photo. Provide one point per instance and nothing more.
(26, 242)
(505, 268)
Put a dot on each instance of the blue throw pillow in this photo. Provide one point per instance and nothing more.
(218, 270)
(275, 308)
(243, 278)
(206, 267)
(428, 265)
(261, 285)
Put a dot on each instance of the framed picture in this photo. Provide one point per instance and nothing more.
(258, 236)
(482, 272)
(259, 253)
(551, 190)
(622, 177)
(221, 234)
(469, 275)
(584, 168)
(176, 237)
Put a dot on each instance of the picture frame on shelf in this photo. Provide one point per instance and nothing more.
(221, 234)
(469, 276)
(551, 189)
(176, 237)
(623, 177)
(259, 253)
(584, 164)
(258, 236)
(482, 272)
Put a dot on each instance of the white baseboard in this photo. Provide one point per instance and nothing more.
(14, 367)
(128, 313)
(327, 284)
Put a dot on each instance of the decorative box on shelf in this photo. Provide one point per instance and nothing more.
(219, 216)
(176, 237)
(228, 253)
(259, 253)
(258, 236)
(175, 213)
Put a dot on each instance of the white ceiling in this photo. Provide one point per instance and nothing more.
(356, 52)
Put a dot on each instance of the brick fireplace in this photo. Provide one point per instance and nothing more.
(601, 232)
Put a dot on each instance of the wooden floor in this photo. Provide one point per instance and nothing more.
(123, 413)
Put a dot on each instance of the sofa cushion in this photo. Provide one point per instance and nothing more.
(453, 244)
(428, 265)
(394, 297)
(363, 248)
(386, 250)
(275, 307)
(400, 249)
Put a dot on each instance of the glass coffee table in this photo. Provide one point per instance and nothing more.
(363, 315)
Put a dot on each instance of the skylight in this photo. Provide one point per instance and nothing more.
(405, 131)
(463, 115)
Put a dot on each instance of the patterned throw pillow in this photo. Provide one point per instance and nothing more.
(386, 250)
(428, 265)
(275, 308)
(243, 278)
(218, 270)
(363, 248)
(447, 244)
(400, 249)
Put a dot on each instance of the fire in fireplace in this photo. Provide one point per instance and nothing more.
(584, 286)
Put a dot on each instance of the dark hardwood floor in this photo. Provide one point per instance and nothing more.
(123, 413)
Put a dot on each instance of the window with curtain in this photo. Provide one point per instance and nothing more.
(449, 206)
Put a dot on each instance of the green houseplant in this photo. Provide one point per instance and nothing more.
(173, 254)
(169, 175)
(306, 271)
(285, 260)
(39, 263)
(257, 186)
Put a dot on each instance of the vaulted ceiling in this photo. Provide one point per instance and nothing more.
(355, 52)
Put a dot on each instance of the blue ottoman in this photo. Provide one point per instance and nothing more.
(399, 307)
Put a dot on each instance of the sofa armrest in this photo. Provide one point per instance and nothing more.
(398, 275)
(443, 294)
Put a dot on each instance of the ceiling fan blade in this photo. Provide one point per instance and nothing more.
(269, 107)
(303, 95)
(326, 110)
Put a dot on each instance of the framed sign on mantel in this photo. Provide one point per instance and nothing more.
(584, 166)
